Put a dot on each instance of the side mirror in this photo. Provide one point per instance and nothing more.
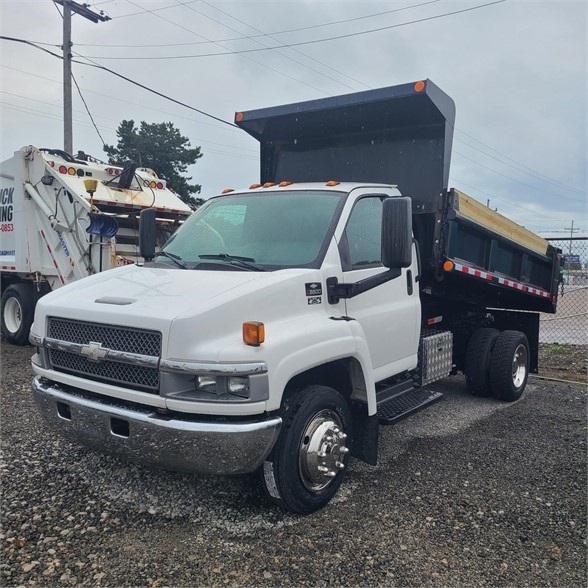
(147, 234)
(397, 232)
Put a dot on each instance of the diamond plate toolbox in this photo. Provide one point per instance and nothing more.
(435, 355)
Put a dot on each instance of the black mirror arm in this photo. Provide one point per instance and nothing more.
(336, 291)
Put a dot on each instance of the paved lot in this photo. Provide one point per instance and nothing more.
(470, 492)
(570, 324)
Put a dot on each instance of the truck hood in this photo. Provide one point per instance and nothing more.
(207, 302)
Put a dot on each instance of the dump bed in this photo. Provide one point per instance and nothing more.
(402, 135)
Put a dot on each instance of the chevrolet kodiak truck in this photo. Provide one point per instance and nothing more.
(281, 325)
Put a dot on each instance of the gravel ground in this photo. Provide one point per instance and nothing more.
(470, 492)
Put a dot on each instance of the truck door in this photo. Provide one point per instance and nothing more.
(389, 314)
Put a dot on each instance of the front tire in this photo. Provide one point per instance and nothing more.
(307, 465)
(509, 366)
(18, 311)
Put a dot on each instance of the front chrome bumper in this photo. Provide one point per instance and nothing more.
(144, 436)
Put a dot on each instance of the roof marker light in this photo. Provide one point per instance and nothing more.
(227, 190)
(419, 86)
(332, 183)
(284, 184)
(268, 184)
(253, 186)
(239, 117)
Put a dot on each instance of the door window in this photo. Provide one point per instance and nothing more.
(364, 233)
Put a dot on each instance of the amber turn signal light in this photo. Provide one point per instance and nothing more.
(419, 86)
(448, 266)
(253, 333)
(239, 117)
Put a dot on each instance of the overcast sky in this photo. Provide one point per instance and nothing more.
(517, 71)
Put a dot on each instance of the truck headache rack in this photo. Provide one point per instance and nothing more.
(399, 135)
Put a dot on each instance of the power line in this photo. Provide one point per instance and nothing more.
(121, 76)
(547, 178)
(250, 37)
(87, 109)
(295, 50)
(217, 43)
(493, 196)
(98, 66)
(259, 43)
(514, 180)
(549, 181)
(324, 40)
(232, 129)
(58, 119)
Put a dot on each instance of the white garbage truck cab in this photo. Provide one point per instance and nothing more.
(63, 218)
(283, 324)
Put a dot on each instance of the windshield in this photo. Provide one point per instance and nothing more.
(273, 229)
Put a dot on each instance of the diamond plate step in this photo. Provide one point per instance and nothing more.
(403, 405)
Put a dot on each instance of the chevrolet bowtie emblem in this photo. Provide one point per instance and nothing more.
(94, 351)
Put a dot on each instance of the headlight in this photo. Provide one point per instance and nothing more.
(236, 386)
(206, 384)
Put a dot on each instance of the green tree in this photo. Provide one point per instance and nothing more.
(161, 147)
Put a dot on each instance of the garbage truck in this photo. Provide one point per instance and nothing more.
(284, 323)
(63, 218)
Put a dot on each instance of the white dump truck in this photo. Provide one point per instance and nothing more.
(282, 324)
(64, 218)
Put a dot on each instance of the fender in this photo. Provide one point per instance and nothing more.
(332, 340)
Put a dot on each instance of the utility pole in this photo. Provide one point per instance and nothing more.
(572, 231)
(70, 6)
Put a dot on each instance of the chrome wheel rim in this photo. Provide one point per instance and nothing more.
(322, 450)
(519, 366)
(12, 315)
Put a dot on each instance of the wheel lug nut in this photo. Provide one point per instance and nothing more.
(340, 465)
(330, 474)
(329, 438)
(322, 469)
(336, 430)
(342, 436)
(322, 454)
(344, 449)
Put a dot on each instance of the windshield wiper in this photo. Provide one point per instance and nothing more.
(237, 260)
(175, 258)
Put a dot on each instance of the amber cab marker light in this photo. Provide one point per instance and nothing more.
(239, 117)
(227, 190)
(284, 184)
(253, 186)
(253, 333)
(448, 266)
(332, 183)
(419, 86)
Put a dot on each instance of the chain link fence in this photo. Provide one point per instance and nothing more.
(563, 336)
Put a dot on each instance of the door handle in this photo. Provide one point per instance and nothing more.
(409, 282)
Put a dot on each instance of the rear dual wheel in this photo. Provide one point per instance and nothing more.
(497, 364)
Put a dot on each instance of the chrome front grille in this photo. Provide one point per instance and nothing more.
(125, 339)
(119, 338)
